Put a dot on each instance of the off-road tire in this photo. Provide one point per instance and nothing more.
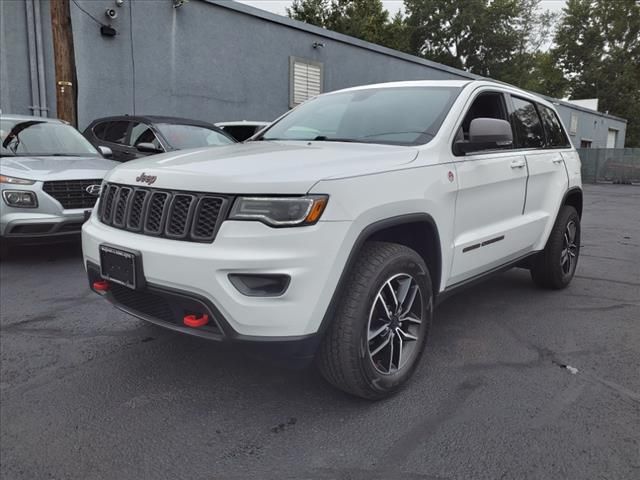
(344, 358)
(547, 269)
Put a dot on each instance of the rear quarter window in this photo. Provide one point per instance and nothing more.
(556, 137)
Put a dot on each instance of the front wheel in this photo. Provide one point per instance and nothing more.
(377, 337)
(555, 266)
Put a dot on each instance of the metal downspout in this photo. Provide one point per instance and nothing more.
(33, 67)
(42, 86)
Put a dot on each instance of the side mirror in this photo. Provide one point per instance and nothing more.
(106, 152)
(486, 134)
(147, 147)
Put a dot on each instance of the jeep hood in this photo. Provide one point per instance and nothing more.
(262, 167)
(56, 168)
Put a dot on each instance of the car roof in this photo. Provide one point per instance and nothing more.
(27, 118)
(155, 119)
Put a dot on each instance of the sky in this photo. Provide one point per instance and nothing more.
(279, 6)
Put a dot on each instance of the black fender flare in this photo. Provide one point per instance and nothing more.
(364, 235)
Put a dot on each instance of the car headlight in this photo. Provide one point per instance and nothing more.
(20, 198)
(280, 211)
(16, 181)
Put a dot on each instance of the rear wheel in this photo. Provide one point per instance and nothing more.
(555, 266)
(377, 337)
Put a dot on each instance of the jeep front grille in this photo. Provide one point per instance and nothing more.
(178, 215)
(72, 193)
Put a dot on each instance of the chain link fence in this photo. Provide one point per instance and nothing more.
(617, 165)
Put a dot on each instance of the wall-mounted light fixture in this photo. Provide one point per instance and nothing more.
(317, 45)
(179, 3)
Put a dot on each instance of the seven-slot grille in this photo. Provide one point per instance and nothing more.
(72, 193)
(177, 215)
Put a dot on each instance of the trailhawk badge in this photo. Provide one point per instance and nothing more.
(148, 179)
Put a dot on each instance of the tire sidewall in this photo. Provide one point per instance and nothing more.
(414, 266)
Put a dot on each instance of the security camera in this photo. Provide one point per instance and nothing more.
(111, 13)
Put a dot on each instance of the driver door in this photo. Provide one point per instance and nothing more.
(489, 227)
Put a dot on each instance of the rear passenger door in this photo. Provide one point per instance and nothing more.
(539, 130)
(489, 226)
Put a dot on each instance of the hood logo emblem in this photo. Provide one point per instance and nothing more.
(94, 190)
(148, 179)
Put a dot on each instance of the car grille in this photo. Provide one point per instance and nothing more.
(178, 215)
(72, 193)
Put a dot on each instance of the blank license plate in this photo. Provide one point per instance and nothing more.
(118, 266)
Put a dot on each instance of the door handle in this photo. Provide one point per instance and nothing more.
(557, 160)
(518, 164)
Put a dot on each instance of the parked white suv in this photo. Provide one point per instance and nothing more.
(334, 233)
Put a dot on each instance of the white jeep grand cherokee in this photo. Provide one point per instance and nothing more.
(333, 233)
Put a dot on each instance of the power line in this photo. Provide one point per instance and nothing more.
(88, 14)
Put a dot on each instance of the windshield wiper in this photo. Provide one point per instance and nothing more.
(324, 138)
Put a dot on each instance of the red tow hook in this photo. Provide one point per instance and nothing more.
(101, 286)
(194, 321)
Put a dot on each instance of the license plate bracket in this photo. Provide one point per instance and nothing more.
(121, 266)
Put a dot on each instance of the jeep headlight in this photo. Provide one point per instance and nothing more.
(20, 198)
(280, 211)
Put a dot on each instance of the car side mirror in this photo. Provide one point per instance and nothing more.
(106, 152)
(147, 147)
(486, 134)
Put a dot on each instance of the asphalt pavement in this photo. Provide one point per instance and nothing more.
(87, 392)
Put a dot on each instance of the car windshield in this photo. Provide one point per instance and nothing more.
(390, 115)
(42, 138)
(191, 136)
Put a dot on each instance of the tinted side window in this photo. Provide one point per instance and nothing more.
(115, 132)
(553, 128)
(142, 133)
(100, 129)
(527, 124)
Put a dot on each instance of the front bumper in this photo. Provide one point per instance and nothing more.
(49, 220)
(313, 257)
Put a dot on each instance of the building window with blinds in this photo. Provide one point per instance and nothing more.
(305, 80)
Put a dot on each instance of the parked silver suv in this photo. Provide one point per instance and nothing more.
(50, 178)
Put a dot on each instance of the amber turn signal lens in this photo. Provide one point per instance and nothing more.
(316, 210)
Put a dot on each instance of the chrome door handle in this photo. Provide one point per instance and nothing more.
(518, 164)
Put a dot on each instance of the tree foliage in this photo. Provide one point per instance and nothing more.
(364, 19)
(598, 49)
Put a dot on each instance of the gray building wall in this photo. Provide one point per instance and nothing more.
(15, 75)
(217, 61)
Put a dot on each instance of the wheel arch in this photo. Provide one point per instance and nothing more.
(417, 231)
(574, 198)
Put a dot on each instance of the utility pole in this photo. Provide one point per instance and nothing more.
(64, 57)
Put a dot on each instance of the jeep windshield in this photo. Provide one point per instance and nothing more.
(43, 139)
(390, 115)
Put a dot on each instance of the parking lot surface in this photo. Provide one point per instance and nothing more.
(87, 392)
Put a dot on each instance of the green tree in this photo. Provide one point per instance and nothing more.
(476, 35)
(531, 66)
(598, 48)
(364, 19)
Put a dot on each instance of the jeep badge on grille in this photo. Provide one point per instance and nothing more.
(144, 178)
